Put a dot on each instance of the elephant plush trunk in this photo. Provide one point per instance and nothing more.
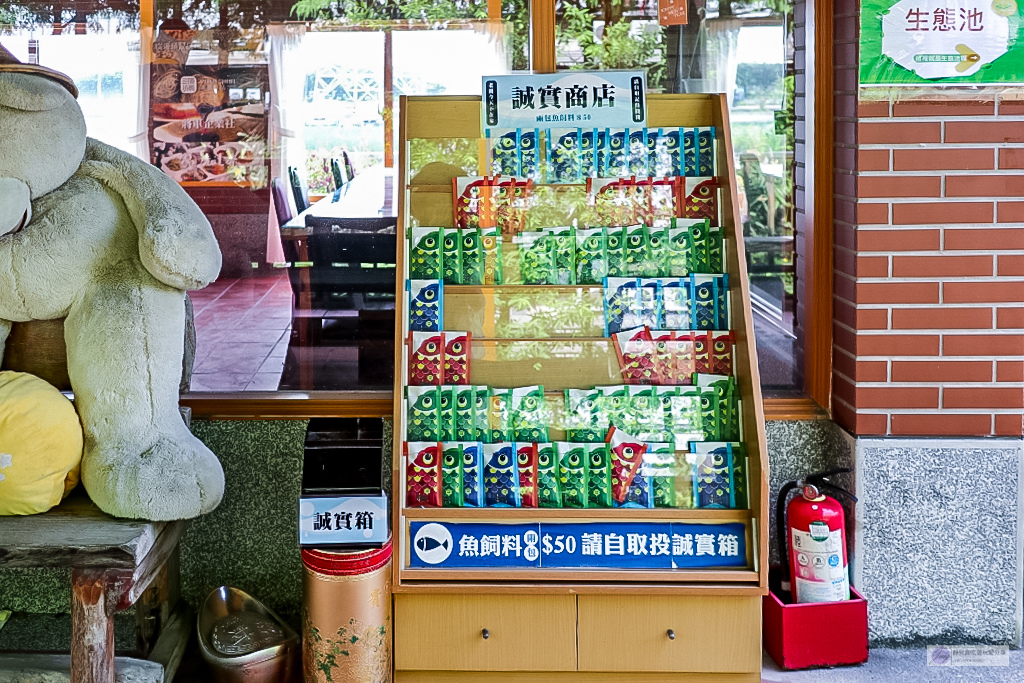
(15, 205)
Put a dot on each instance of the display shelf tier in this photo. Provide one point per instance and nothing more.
(584, 575)
(515, 515)
(483, 587)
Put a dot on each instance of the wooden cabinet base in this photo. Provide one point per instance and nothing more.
(568, 677)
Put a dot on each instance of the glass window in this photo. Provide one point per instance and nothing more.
(742, 49)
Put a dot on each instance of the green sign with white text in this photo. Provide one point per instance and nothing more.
(941, 42)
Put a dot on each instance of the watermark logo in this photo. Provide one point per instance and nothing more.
(968, 655)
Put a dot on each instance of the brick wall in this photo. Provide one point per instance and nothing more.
(929, 264)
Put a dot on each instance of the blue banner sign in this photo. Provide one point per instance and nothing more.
(568, 99)
(343, 520)
(578, 545)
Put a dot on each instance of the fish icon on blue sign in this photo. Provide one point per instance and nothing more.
(433, 543)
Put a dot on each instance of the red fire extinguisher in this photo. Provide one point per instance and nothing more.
(813, 541)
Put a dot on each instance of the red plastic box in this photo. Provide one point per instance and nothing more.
(816, 634)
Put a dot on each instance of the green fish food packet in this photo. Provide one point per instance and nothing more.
(562, 242)
(528, 414)
(615, 401)
(709, 414)
(669, 486)
(599, 476)
(498, 415)
(465, 413)
(451, 475)
(490, 243)
(686, 418)
(634, 255)
(585, 420)
(536, 262)
(724, 397)
(700, 253)
(451, 256)
(665, 394)
(563, 156)
(615, 248)
(739, 475)
(425, 254)
(423, 416)
(716, 250)
(591, 256)
(647, 417)
(572, 473)
(678, 251)
(481, 413)
(549, 493)
(657, 253)
(472, 257)
(446, 398)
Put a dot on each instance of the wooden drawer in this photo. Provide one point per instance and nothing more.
(525, 633)
(631, 633)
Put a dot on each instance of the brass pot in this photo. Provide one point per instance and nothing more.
(242, 640)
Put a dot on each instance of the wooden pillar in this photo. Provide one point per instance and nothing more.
(92, 628)
(389, 101)
(542, 36)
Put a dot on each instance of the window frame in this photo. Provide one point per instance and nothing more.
(811, 404)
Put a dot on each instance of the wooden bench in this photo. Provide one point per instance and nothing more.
(114, 563)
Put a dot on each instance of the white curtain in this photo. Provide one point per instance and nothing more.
(286, 144)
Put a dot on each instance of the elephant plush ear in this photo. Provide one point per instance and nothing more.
(176, 242)
(26, 92)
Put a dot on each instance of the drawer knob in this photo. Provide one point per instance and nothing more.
(671, 634)
(486, 634)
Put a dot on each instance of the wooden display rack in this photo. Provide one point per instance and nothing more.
(574, 625)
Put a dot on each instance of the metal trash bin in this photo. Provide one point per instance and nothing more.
(346, 625)
(242, 640)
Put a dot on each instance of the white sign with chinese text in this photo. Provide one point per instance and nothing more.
(343, 520)
(946, 38)
(569, 99)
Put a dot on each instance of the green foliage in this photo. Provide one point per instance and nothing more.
(760, 81)
(618, 48)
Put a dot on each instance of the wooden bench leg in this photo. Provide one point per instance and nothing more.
(92, 628)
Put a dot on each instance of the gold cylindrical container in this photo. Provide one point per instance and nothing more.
(346, 629)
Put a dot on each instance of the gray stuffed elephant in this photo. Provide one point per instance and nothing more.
(93, 235)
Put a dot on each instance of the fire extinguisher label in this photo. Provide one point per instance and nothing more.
(818, 570)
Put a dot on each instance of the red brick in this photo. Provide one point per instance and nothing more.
(845, 236)
(1010, 264)
(1009, 425)
(845, 210)
(1009, 318)
(872, 319)
(941, 266)
(872, 109)
(1011, 212)
(897, 345)
(941, 371)
(872, 371)
(1010, 371)
(943, 159)
(1011, 158)
(844, 312)
(945, 108)
(842, 413)
(845, 158)
(872, 214)
(898, 240)
(843, 338)
(844, 261)
(897, 397)
(982, 397)
(872, 266)
(899, 186)
(982, 345)
(843, 388)
(1001, 291)
(984, 239)
(984, 186)
(873, 160)
(871, 424)
(902, 133)
(844, 287)
(944, 317)
(897, 292)
(939, 213)
(944, 424)
(984, 131)
(1011, 107)
(845, 185)
(845, 364)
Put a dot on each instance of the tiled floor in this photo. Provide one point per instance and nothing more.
(243, 327)
(245, 341)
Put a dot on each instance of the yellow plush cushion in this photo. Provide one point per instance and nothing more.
(40, 445)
